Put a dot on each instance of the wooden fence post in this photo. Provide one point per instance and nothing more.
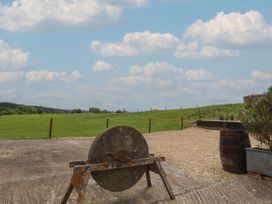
(199, 114)
(107, 123)
(149, 126)
(50, 128)
(181, 122)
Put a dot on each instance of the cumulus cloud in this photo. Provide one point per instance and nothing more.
(187, 85)
(194, 50)
(236, 84)
(162, 75)
(236, 28)
(75, 75)
(139, 43)
(128, 3)
(198, 74)
(12, 57)
(26, 15)
(257, 78)
(259, 75)
(156, 74)
(50, 75)
(201, 40)
(155, 68)
(136, 43)
(142, 81)
(10, 76)
(41, 75)
(101, 65)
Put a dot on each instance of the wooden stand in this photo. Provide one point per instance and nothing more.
(82, 172)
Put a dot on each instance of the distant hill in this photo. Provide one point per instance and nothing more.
(12, 108)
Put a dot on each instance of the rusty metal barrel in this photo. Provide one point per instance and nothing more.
(232, 149)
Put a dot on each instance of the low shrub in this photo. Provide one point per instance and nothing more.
(221, 117)
(258, 117)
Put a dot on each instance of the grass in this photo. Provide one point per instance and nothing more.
(90, 124)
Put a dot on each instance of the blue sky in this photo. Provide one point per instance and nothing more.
(134, 54)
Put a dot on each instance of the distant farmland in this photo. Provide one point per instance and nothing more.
(36, 126)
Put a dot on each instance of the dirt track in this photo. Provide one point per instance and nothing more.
(36, 171)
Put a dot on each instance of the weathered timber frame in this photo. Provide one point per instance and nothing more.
(82, 172)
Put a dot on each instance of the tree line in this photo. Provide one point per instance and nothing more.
(12, 108)
(97, 110)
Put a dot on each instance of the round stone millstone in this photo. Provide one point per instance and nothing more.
(118, 140)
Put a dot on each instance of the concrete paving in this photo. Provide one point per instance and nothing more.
(36, 171)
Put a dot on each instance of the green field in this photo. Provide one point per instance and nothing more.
(89, 124)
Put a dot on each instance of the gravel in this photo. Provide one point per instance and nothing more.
(194, 150)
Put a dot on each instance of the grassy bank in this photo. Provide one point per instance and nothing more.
(90, 124)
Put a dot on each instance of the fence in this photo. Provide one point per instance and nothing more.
(150, 126)
(88, 124)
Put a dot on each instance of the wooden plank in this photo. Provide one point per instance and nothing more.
(149, 184)
(83, 186)
(67, 194)
(116, 165)
(82, 172)
(163, 177)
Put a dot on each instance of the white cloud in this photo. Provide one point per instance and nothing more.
(162, 75)
(194, 50)
(198, 74)
(137, 43)
(201, 40)
(50, 75)
(10, 76)
(12, 57)
(152, 74)
(114, 49)
(74, 75)
(26, 14)
(130, 80)
(140, 80)
(257, 81)
(256, 74)
(236, 28)
(237, 84)
(40, 75)
(222, 84)
(155, 68)
(131, 3)
(102, 66)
